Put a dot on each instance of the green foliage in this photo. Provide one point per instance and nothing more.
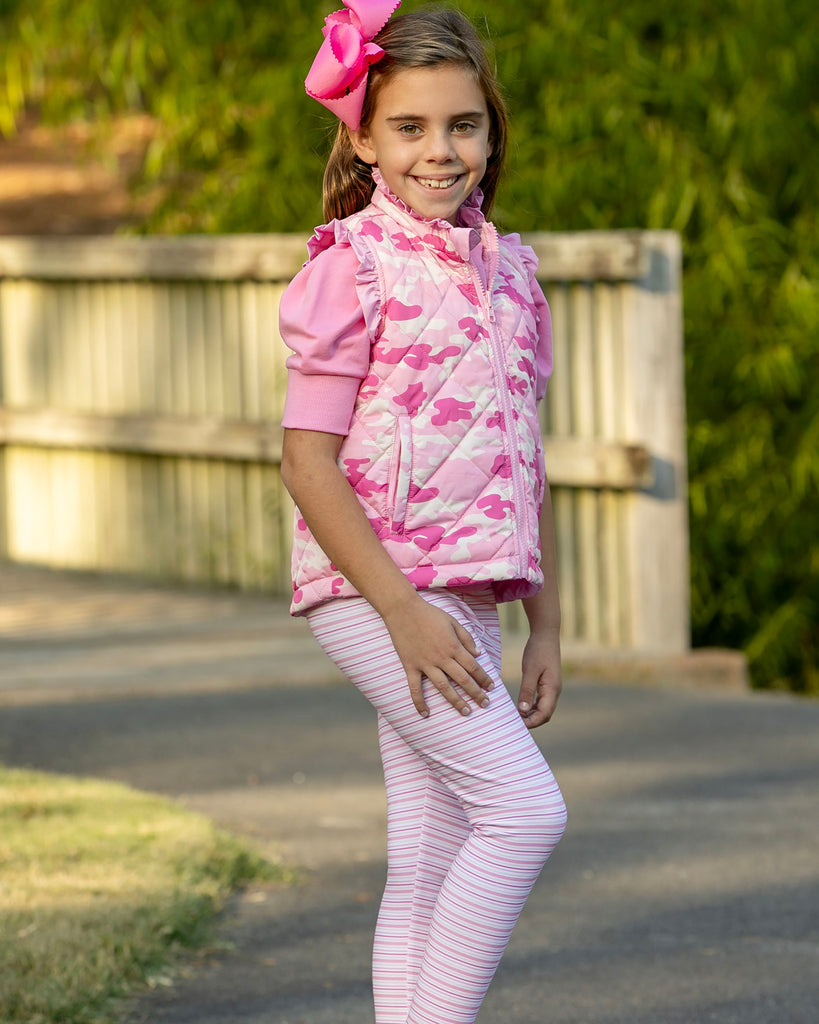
(233, 151)
(699, 117)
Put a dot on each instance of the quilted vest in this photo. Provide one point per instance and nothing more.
(444, 449)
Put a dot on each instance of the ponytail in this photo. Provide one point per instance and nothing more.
(348, 181)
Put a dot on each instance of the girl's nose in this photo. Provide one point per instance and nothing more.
(440, 147)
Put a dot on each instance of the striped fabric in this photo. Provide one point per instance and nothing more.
(473, 813)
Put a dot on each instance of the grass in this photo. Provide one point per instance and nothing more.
(99, 886)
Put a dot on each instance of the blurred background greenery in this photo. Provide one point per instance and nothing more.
(701, 117)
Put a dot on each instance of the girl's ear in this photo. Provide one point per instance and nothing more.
(362, 144)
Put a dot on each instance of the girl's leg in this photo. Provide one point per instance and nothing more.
(426, 829)
(490, 764)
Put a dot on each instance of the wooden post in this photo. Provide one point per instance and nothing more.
(658, 584)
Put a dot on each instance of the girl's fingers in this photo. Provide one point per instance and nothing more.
(446, 655)
(546, 702)
(466, 638)
(417, 694)
(473, 668)
(528, 692)
(443, 680)
(471, 683)
(442, 684)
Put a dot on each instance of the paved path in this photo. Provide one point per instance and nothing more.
(686, 889)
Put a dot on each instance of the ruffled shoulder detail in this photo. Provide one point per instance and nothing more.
(325, 236)
(370, 288)
(525, 253)
(344, 237)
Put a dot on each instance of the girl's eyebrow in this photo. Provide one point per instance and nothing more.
(468, 115)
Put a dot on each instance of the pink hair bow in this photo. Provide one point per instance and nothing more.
(338, 77)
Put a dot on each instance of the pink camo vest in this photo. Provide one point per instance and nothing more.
(444, 449)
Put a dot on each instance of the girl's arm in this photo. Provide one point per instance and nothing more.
(429, 642)
(542, 681)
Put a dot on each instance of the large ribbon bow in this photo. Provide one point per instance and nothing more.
(338, 77)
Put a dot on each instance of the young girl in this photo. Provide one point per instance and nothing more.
(421, 347)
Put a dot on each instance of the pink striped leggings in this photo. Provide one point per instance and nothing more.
(473, 812)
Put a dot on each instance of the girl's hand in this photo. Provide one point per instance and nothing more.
(432, 644)
(542, 679)
(428, 641)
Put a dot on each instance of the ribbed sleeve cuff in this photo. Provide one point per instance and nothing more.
(320, 402)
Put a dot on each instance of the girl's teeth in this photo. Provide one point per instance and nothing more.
(433, 183)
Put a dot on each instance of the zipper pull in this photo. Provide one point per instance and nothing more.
(490, 312)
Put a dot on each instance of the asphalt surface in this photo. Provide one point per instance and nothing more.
(686, 888)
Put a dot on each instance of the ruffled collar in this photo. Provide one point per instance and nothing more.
(472, 227)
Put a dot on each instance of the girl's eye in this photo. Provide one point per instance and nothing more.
(462, 127)
(409, 129)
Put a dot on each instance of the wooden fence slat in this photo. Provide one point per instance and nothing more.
(606, 394)
(105, 375)
(109, 331)
(584, 427)
(592, 462)
(20, 330)
(179, 331)
(131, 332)
(250, 356)
(28, 505)
(164, 350)
(558, 414)
(231, 345)
(589, 255)
(572, 461)
(168, 515)
(83, 355)
(188, 436)
(185, 258)
(252, 524)
(197, 402)
(213, 352)
(187, 532)
(563, 256)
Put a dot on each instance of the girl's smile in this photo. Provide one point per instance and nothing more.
(429, 137)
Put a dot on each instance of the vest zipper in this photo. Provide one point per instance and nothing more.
(499, 364)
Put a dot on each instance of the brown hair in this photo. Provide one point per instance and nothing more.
(421, 39)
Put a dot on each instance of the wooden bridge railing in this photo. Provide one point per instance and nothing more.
(141, 390)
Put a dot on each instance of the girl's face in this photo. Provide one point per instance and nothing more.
(429, 136)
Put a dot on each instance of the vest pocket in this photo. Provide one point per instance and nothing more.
(400, 474)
